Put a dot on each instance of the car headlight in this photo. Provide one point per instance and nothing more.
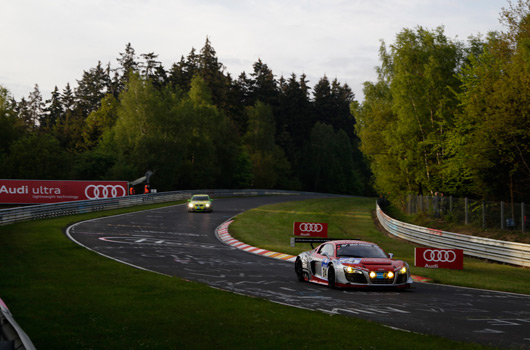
(403, 270)
(390, 274)
(190, 205)
(207, 205)
(349, 269)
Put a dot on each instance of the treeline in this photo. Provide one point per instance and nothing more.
(451, 117)
(444, 116)
(193, 125)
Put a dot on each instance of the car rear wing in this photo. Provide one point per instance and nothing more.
(319, 240)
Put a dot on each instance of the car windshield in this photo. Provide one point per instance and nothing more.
(360, 251)
(200, 198)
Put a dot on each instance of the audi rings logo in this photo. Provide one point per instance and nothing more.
(310, 227)
(104, 191)
(448, 256)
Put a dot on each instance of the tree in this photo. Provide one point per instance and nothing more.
(34, 111)
(182, 72)
(152, 70)
(11, 127)
(53, 111)
(269, 166)
(91, 89)
(69, 128)
(128, 65)
(375, 126)
(332, 105)
(49, 163)
(330, 166)
(100, 121)
(490, 144)
(295, 118)
(421, 66)
(212, 71)
(263, 86)
(184, 139)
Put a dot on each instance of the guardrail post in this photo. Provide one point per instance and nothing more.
(466, 211)
(502, 216)
(451, 204)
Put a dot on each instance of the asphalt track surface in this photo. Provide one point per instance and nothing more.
(174, 242)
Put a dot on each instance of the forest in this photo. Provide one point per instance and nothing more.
(444, 116)
(192, 125)
(451, 117)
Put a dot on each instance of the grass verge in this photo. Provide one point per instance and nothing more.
(270, 227)
(66, 297)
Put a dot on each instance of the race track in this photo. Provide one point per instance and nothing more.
(174, 242)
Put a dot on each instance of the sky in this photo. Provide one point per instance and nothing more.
(51, 43)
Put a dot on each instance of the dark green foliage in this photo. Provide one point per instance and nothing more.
(329, 163)
(37, 157)
(193, 126)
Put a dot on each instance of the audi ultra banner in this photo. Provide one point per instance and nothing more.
(52, 191)
(435, 258)
(310, 229)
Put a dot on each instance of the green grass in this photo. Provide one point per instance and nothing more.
(66, 297)
(270, 227)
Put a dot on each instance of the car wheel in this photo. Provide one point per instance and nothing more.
(299, 270)
(331, 276)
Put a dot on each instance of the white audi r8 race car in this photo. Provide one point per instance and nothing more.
(352, 264)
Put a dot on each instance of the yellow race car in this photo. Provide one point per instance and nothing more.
(200, 202)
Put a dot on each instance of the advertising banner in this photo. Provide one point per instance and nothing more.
(310, 229)
(435, 258)
(53, 191)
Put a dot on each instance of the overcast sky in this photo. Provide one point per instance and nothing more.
(51, 43)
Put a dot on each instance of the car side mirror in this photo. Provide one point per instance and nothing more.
(391, 255)
(325, 254)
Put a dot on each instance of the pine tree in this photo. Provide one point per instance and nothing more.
(212, 71)
(263, 85)
(53, 112)
(128, 65)
(91, 89)
(32, 109)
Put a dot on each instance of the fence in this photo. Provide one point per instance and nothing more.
(486, 248)
(498, 215)
(44, 211)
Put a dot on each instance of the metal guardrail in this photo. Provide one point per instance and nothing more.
(502, 251)
(45, 211)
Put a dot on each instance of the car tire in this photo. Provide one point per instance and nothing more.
(331, 277)
(299, 270)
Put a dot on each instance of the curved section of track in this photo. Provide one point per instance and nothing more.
(174, 242)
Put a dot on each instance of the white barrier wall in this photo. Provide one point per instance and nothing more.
(480, 247)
